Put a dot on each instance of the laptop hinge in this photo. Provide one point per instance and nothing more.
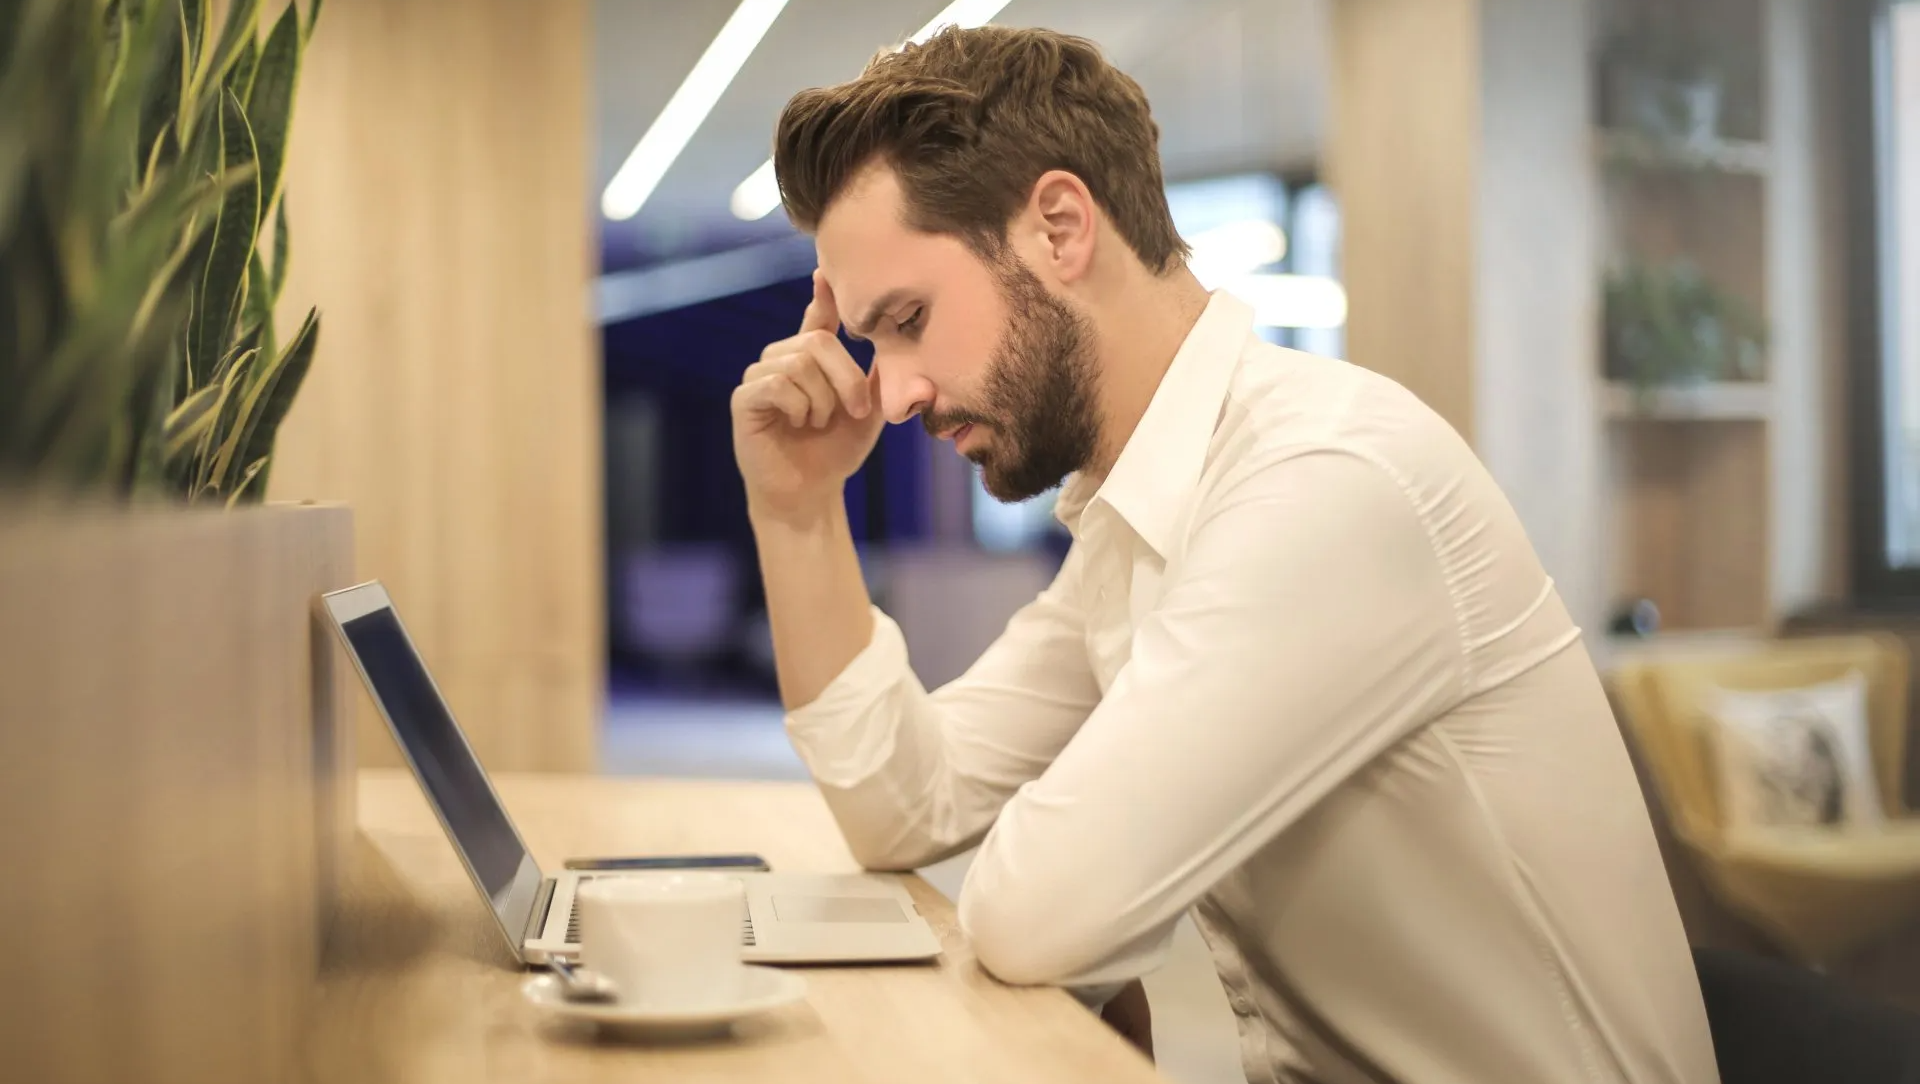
(537, 921)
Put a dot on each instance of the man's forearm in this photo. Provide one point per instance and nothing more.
(817, 599)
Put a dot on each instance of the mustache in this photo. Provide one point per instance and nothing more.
(948, 421)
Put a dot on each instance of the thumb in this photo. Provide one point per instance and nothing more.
(822, 313)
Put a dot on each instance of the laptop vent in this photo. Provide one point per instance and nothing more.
(573, 922)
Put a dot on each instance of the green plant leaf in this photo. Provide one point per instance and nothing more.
(257, 320)
(194, 17)
(282, 247)
(313, 18)
(23, 73)
(114, 314)
(156, 398)
(243, 491)
(245, 66)
(270, 107)
(223, 284)
(236, 354)
(238, 38)
(191, 420)
(286, 377)
(217, 442)
(159, 140)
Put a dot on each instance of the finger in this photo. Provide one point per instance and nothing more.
(822, 314)
(777, 394)
(848, 380)
(822, 400)
(768, 366)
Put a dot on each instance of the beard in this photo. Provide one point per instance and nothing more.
(1040, 398)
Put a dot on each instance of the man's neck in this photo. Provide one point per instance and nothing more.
(1141, 325)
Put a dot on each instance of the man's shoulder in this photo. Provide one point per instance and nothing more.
(1284, 403)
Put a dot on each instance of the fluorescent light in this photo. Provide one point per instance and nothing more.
(1236, 248)
(965, 14)
(1291, 300)
(688, 108)
(759, 194)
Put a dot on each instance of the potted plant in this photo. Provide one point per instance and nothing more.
(165, 704)
(141, 164)
(1669, 326)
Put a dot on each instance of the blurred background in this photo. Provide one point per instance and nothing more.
(1658, 260)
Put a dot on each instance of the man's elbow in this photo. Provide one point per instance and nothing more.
(1020, 942)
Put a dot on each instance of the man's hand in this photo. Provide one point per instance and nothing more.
(804, 416)
(1129, 1014)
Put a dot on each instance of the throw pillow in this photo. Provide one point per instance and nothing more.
(1796, 757)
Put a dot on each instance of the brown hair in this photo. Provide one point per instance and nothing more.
(969, 121)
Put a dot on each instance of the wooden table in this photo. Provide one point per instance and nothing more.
(419, 987)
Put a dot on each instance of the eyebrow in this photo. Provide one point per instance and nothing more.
(864, 326)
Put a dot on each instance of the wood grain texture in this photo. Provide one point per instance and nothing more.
(1692, 510)
(1401, 157)
(438, 198)
(164, 745)
(419, 986)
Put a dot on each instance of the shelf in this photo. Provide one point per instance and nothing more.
(1734, 156)
(1725, 401)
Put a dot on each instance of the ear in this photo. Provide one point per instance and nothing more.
(1067, 220)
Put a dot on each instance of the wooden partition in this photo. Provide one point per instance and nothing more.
(442, 220)
(176, 786)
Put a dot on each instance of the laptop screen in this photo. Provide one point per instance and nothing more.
(446, 765)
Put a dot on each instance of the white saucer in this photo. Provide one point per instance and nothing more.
(762, 989)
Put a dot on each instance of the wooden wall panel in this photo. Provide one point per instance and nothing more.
(172, 788)
(1401, 158)
(1692, 506)
(441, 220)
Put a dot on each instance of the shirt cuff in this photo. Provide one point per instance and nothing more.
(839, 735)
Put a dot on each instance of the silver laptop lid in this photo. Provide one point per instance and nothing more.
(456, 786)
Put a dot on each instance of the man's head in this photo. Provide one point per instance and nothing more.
(963, 194)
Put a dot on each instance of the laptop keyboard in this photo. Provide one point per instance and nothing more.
(573, 922)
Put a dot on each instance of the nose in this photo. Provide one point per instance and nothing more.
(903, 392)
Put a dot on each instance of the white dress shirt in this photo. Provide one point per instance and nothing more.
(1302, 676)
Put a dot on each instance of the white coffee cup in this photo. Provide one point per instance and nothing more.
(666, 939)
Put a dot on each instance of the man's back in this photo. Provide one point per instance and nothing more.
(1485, 899)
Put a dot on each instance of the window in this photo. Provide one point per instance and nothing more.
(1884, 291)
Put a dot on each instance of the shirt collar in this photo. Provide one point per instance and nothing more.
(1161, 463)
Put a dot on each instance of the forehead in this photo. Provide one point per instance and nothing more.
(866, 248)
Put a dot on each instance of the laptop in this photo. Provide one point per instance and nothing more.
(790, 918)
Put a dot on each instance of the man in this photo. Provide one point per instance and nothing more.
(1301, 673)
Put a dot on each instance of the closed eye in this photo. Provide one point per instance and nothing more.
(911, 325)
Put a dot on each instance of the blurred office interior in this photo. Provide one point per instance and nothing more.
(1658, 260)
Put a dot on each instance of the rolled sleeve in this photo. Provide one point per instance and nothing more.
(843, 736)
